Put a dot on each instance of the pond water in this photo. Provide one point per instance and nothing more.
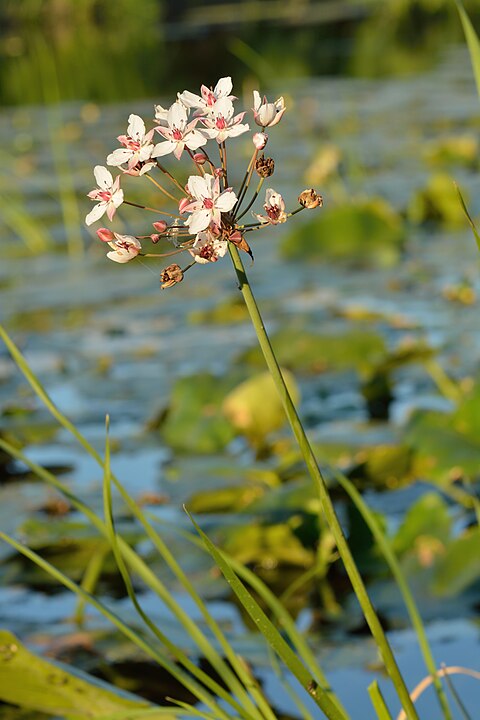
(104, 339)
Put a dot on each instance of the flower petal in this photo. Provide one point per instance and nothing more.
(199, 221)
(136, 127)
(95, 213)
(103, 177)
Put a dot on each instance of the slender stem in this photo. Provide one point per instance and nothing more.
(161, 188)
(170, 177)
(246, 179)
(144, 207)
(255, 195)
(327, 505)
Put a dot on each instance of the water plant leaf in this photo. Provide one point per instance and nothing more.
(195, 422)
(31, 682)
(436, 202)
(460, 566)
(476, 234)
(427, 517)
(364, 232)
(267, 546)
(254, 407)
(308, 352)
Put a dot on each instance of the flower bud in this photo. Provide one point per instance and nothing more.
(182, 204)
(155, 238)
(310, 199)
(160, 226)
(265, 166)
(171, 275)
(260, 140)
(105, 235)
(219, 172)
(200, 158)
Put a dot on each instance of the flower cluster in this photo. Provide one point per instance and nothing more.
(208, 212)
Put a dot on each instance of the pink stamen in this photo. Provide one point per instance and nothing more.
(221, 123)
(208, 203)
(177, 134)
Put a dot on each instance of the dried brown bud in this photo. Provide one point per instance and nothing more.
(265, 166)
(310, 199)
(171, 275)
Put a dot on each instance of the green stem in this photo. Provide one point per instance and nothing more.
(327, 505)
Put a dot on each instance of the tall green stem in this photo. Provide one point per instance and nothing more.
(327, 505)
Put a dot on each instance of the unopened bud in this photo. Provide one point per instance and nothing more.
(171, 275)
(265, 166)
(155, 238)
(219, 172)
(105, 235)
(183, 204)
(200, 158)
(260, 140)
(160, 226)
(310, 199)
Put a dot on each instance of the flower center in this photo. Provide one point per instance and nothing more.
(273, 212)
(131, 144)
(221, 123)
(104, 195)
(208, 203)
(177, 134)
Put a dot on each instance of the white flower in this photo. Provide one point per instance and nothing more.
(222, 123)
(267, 114)
(108, 192)
(206, 101)
(208, 248)
(208, 203)
(124, 248)
(179, 134)
(137, 146)
(274, 207)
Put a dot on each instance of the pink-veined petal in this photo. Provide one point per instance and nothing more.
(199, 221)
(95, 213)
(119, 156)
(103, 177)
(136, 127)
(223, 87)
(226, 201)
(179, 150)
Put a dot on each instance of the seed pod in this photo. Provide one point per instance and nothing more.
(171, 275)
(310, 199)
(265, 166)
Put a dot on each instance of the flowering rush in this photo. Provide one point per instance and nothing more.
(208, 214)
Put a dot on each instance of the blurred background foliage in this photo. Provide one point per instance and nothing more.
(108, 51)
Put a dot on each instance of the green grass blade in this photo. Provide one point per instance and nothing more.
(392, 562)
(154, 583)
(476, 234)
(378, 702)
(463, 710)
(153, 652)
(163, 639)
(91, 577)
(473, 42)
(269, 631)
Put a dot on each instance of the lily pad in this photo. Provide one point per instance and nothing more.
(437, 202)
(460, 566)
(427, 517)
(268, 546)
(255, 408)
(441, 453)
(364, 232)
(308, 352)
(231, 310)
(194, 421)
(454, 150)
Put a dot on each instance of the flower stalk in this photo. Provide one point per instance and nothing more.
(324, 496)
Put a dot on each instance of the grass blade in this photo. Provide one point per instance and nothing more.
(321, 696)
(378, 701)
(473, 42)
(476, 234)
(393, 564)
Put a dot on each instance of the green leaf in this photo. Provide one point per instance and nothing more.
(195, 422)
(304, 351)
(31, 682)
(460, 566)
(436, 202)
(255, 408)
(364, 232)
(427, 517)
(473, 42)
(378, 701)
